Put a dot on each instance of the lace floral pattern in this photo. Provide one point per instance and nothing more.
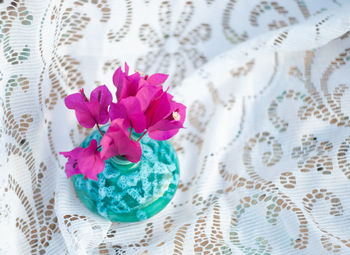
(264, 157)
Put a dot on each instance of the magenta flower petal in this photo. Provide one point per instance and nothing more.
(147, 93)
(117, 111)
(119, 75)
(135, 114)
(157, 78)
(127, 85)
(86, 161)
(72, 167)
(158, 110)
(101, 95)
(90, 162)
(77, 102)
(91, 112)
(168, 127)
(116, 142)
(100, 100)
(165, 117)
(84, 118)
(162, 135)
(130, 149)
(74, 101)
(75, 153)
(164, 125)
(129, 109)
(109, 148)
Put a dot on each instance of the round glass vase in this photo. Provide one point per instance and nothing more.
(128, 192)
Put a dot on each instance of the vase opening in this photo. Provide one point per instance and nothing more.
(122, 164)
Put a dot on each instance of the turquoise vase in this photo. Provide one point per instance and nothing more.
(128, 192)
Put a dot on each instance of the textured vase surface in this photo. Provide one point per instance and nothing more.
(128, 192)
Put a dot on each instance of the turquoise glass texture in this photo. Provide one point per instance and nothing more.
(128, 192)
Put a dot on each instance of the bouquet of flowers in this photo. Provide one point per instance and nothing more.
(142, 106)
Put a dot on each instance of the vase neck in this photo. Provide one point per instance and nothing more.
(122, 164)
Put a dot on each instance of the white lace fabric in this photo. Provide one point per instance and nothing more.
(264, 156)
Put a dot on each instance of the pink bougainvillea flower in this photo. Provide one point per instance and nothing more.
(164, 117)
(134, 94)
(133, 108)
(129, 109)
(157, 78)
(144, 105)
(130, 85)
(72, 167)
(86, 161)
(90, 162)
(127, 85)
(147, 92)
(116, 142)
(93, 111)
